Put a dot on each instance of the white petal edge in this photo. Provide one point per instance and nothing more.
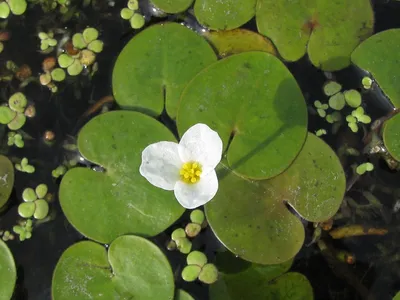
(161, 164)
(201, 144)
(191, 196)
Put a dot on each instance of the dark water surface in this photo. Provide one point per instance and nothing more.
(376, 269)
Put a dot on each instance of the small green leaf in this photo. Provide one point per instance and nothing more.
(90, 34)
(190, 273)
(8, 272)
(391, 136)
(6, 115)
(7, 182)
(4, 10)
(353, 98)
(172, 6)
(224, 15)
(17, 7)
(78, 41)
(337, 101)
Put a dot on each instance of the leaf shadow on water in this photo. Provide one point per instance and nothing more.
(285, 113)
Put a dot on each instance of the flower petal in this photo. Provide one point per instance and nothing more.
(194, 195)
(202, 144)
(161, 164)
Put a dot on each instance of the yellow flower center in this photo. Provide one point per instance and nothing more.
(190, 172)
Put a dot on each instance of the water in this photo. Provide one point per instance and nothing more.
(377, 261)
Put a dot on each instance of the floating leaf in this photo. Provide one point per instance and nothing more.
(105, 205)
(253, 97)
(378, 55)
(156, 65)
(391, 136)
(337, 101)
(6, 181)
(6, 114)
(331, 88)
(353, 98)
(8, 273)
(17, 7)
(261, 282)
(251, 218)
(172, 6)
(133, 268)
(327, 30)
(237, 41)
(182, 295)
(224, 15)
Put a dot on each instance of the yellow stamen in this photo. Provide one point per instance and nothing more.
(190, 172)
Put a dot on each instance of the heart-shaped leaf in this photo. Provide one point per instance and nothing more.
(172, 6)
(327, 30)
(259, 282)
(254, 98)
(391, 136)
(378, 55)
(8, 273)
(228, 42)
(133, 268)
(251, 218)
(6, 179)
(105, 205)
(155, 66)
(224, 15)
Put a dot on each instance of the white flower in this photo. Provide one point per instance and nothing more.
(187, 167)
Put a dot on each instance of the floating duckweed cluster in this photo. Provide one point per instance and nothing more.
(87, 45)
(198, 268)
(15, 139)
(6, 235)
(180, 237)
(338, 99)
(24, 166)
(357, 116)
(367, 82)
(34, 204)
(365, 167)
(14, 115)
(59, 171)
(47, 41)
(16, 7)
(24, 229)
(320, 132)
(131, 13)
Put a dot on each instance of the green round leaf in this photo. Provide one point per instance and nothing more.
(78, 41)
(4, 10)
(17, 102)
(331, 88)
(190, 273)
(255, 283)
(17, 122)
(251, 218)
(224, 15)
(17, 7)
(90, 34)
(254, 98)
(238, 41)
(105, 205)
(58, 74)
(64, 60)
(378, 55)
(208, 274)
(353, 98)
(126, 13)
(8, 272)
(6, 181)
(172, 6)
(26, 209)
(182, 295)
(137, 21)
(29, 195)
(196, 258)
(327, 30)
(96, 46)
(337, 101)
(133, 268)
(391, 136)
(41, 210)
(156, 65)
(6, 115)
(41, 190)
(75, 68)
